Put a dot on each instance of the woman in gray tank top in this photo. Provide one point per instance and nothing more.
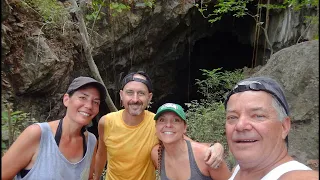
(177, 158)
(60, 149)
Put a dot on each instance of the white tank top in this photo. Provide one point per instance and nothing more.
(278, 171)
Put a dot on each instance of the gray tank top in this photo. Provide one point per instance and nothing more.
(195, 171)
(52, 165)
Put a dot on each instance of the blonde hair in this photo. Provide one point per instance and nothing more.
(160, 149)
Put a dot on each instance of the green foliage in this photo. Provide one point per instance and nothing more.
(273, 6)
(93, 15)
(16, 118)
(50, 10)
(94, 10)
(3, 145)
(230, 160)
(298, 4)
(311, 19)
(206, 119)
(217, 83)
(13, 123)
(237, 7)
(149, 3)
(117, 8)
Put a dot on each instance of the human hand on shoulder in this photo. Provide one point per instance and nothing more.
(214, 155)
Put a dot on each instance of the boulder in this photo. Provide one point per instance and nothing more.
(297, 69)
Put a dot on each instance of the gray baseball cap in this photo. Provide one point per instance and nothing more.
(81, 81)
(261, 83)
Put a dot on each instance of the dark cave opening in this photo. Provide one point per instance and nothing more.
(221, 50)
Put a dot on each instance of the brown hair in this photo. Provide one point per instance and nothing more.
(160, 149)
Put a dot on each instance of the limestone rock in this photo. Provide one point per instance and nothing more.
(41, 70)
(297, 69)
(289, 25)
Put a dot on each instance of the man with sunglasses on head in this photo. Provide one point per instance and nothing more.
(126, 137)
(257, 126)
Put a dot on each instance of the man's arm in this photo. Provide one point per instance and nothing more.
(101, 156)
(214, 155)
(154, 155)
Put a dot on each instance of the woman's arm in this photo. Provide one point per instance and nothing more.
(21, 153)
(93, 161)
(213, 155)
(220, 173)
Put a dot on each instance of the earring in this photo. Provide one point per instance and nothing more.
(149, 105)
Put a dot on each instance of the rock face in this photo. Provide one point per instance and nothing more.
(158, 41)
(37, 63)
(286, 27)
(297, 69)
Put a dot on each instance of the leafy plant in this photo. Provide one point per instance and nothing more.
(95, 10)
(206, 121)
(117, 8)
(13, 122)
(206, 118)
(237, 7)
(149, 3)
(50, 10)
(216, 83)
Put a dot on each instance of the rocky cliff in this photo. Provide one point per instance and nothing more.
(297, 69)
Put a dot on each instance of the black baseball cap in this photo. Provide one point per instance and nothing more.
(129, 77)
(261, 83)
(81, 81)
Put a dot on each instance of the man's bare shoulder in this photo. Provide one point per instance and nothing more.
(300, 174)
(154, 152)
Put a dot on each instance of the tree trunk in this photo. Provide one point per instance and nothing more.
(87, 51)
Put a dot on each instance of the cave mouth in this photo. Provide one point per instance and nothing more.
(221, 50)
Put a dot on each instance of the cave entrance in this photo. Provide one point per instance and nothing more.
(221, 50)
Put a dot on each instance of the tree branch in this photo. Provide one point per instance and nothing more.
(87, 51)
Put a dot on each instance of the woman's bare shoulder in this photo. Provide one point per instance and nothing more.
(196, 146)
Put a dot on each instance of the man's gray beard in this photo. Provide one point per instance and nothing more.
(135, 112)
